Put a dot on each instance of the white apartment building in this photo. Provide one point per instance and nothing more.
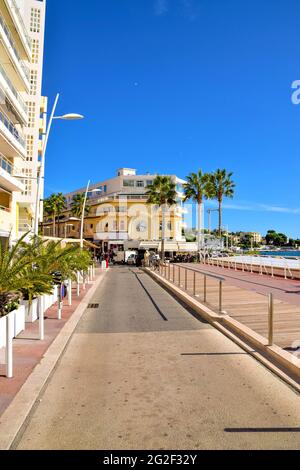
(21, 56)
(33, 13)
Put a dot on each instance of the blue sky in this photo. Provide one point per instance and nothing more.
(169, 86)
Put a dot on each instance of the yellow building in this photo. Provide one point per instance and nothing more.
(119, 217)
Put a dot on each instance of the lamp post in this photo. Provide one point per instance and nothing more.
(83, 210)
(66, 117)
(209, 211)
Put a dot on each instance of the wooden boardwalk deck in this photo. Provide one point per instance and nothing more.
(246, 306)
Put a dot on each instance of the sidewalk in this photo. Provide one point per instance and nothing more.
(29, 350)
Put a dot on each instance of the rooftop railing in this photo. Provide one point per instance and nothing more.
(13, 90)
(13, 46)
(12, 129)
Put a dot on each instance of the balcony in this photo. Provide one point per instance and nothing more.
(111, 236)
(13, 96)
(9, 54)
(12, 140)
(8, 180)
(21, 29)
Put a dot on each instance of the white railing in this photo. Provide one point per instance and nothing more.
(18, 135)
(14, 48)
(13, 90)
(268, 265)
(15, 7)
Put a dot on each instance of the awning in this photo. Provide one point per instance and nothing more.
(188, 247)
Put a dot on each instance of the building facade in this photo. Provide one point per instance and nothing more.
(21, 57)
(33, 13)
(119, 217)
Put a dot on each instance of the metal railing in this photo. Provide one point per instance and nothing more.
(15, 7)
(8, 166)
(258, 264)
(12, 129)
(13, 89)
(14, 47)
(187, 279)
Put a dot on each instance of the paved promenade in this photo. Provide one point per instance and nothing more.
(141, 372)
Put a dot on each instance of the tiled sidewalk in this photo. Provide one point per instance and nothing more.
(28, 350)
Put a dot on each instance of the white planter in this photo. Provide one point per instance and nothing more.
(19, 320)
(31, 314)
(47, 301)
(11, 318)
(55, 294)
(40, 305)
(2, 332)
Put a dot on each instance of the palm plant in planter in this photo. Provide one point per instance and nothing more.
(14, 265)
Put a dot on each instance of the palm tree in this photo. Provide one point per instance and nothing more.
(77, 205)
(162, 192)
(60, 204)
(50, 209)
(220, 185)
(196, 189)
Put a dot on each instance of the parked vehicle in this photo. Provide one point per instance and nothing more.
(131, 260)
(121, 257)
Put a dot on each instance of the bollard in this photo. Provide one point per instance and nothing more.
(194, 283)
(9, 346)
(70, 292)
(59, 304)
(41, 318)
(169, 271)
(270, 319)
(83, 280)
(78, 285)
(220, 296)
(204, 288)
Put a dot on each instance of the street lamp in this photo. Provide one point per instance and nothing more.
(83, 210)
(66, 117)
(209, 211)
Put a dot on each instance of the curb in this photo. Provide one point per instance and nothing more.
(281, 363)
(14, 417)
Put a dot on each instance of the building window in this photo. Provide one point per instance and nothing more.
(122, 225)
(35, 49)
(27, 182)
(149, 182)
(33, 82)
(105, 188)
(31, 114)
(29, 142)
(139, 184)
(128, 183)
(35, 20)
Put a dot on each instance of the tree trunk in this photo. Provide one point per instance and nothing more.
(53, 222)
(200, 226)
(220, 218)
(163, 232)
(58, 216)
